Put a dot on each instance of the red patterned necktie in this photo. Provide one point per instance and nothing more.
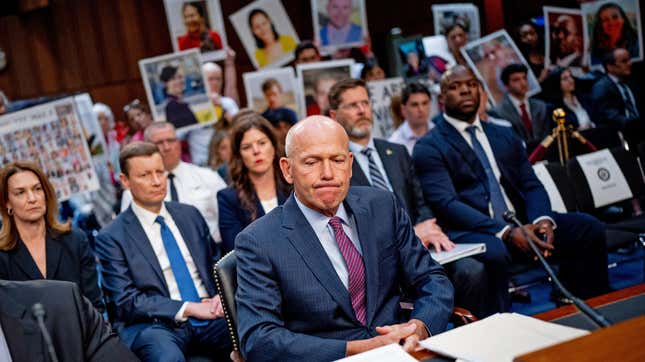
(355, 268)
(526, 119)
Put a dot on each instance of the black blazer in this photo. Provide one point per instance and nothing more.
(570, 116)
(233, 218)
(609, 106)
(69, 258)
(400, 172)
(77, 330)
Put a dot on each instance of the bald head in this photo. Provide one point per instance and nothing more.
(457, 71)
(318, 163)
(310, 130)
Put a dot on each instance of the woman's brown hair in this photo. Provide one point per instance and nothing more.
(9, 233)
(238, 171)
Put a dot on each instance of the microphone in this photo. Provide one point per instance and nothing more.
(594, 315)
(38, 312)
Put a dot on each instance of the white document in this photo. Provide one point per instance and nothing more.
(557, 204)
(390, 353)
(606, 180)
(500, 338)
(458, 252)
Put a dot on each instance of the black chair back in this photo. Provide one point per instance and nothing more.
(225, 273)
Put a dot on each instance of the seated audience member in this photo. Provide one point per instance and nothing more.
(138, 119)
(187, 183)
(561, 88)
(472, 172)
(280, 117)
(219, 153)
(530, 117)
(77, 329)
(456, 35)
(257, 186)
(224, 103)
(157, 260)
(33, 243)
(415, 107)
(615, 101)
(319, 278)
(306, 52)
(388, 166)
(372, 71)
(531, 46)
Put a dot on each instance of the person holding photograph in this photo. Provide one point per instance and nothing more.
(281, 118)
(456, 35)
(306, 52)
(257, 184)
(177, 111)
(271, 46)
(340, 29)
(34, 245)
(612, 29)
(532, 48)
(197, 33)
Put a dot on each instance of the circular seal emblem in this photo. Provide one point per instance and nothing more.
(604, 174)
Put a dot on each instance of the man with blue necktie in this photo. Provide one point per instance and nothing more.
(157, 260)
(472, 172)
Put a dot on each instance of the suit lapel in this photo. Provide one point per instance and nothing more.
(53, 252)
(358, 176)
(304, 240)
(370, 252)
(20, 331)
(26, 263)
(452, 136)
(138, 238)
(517, 119)
(390, 164)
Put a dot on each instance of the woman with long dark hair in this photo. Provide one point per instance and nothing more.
(563, 92)
(612, 30)
(271, 46)
(33, 243)
(257, 184)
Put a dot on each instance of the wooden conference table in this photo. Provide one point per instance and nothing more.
(569, 315)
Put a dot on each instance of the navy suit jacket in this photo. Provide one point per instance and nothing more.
(233, 218)
(292, 305)
(69, 258)
(132, 277)
(400, 172)
(609, 105)
(455, 184)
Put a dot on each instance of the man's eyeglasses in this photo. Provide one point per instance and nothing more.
(356, 106)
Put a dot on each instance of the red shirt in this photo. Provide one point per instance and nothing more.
(190, 41)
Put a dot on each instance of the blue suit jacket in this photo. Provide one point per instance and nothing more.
(293, 307)
(455, 184)
(233, 218)
(132, 277)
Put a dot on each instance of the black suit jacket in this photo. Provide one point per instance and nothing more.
(400, 172)
(69, 258)
(77, 329)
(609, 105)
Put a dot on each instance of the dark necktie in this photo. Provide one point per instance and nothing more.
(526, 119)
(629, 105)
(375, 175)
(355, 268)
(185, 283)
(173, 189)
(496, 196)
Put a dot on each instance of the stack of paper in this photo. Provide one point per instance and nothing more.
(389, 353)
(499, 338)
(458, 252)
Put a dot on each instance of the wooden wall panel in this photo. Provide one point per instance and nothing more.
(45, 58)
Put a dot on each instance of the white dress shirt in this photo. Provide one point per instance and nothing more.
(5, 355)
(405, 136)
(517, 103)
(483, 140)
(326, 237)
(364, 163)
(200, 138)
(196, 186)
(581, 114)
(153, 232)
(270, 204)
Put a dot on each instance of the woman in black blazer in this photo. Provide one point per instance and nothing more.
(33, 243)
(257, 185)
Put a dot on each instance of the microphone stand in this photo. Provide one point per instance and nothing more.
(38, 312)
(591, 313)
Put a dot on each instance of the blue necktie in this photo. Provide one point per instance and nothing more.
(375, 175)
(496, 197)
(173, 189)
(185, 283)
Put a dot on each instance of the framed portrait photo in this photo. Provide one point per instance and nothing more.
(316, 79)
(610, 25)
(488, 56)
(275, 94)
(444, 15)
(266, 32)
(197, 24)
(564, 38)
(176, 89)
(339, 23)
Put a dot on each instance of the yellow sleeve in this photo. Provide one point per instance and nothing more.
(288, 43)
(260, 57)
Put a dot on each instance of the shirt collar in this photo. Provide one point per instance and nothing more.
(180, 166)
(357, 148)
(147, 218)
(461, 125)
(516, 102)
(319, 221)
(408, 134)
